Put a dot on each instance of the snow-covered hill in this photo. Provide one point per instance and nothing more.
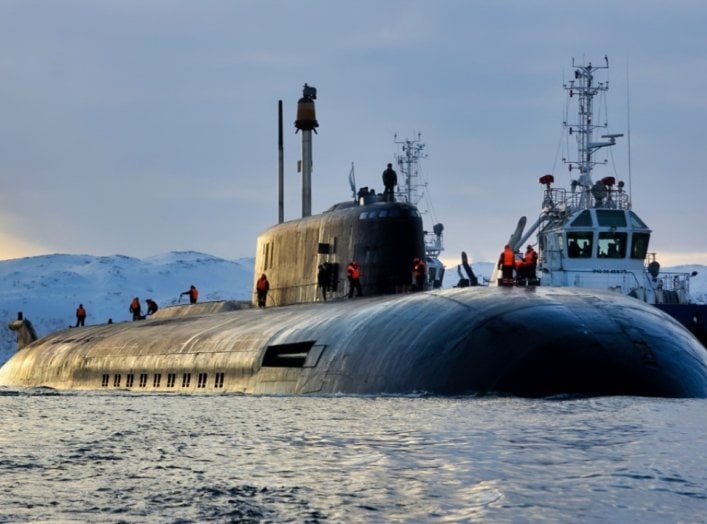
(47, 289)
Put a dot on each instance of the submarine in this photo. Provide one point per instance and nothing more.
(313, 339)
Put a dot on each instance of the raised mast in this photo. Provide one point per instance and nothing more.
(412, 187)
(408, 164)
(307, 122)
(585, 129)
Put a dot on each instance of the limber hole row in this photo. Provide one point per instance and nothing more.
(202, 380)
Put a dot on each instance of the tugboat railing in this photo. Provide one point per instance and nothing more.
(558, 201)
(673, 281)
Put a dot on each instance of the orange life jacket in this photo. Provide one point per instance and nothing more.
(80, 313)
(508, 257)
(531, 257)
(354, 271)
(419, 269)
(135, 305)
(194, 294)
(263, 284)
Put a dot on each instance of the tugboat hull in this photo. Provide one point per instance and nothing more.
(692, 316)
(530, 342)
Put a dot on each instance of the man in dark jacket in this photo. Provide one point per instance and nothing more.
(390, 180)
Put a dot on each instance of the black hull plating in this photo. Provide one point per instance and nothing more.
(526, 342)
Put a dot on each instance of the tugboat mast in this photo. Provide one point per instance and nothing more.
(584, 88)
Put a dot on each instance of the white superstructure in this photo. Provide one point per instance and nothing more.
(588, 236)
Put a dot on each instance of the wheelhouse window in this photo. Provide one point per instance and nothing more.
(611, 218)
(636, 222)
(584, 219)
(639, 245)
(612, 245)
(579, 244)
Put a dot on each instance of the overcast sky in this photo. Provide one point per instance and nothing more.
(141, 127)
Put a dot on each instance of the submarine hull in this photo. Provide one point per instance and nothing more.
(531, 342)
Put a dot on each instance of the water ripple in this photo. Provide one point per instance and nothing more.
(151, 458)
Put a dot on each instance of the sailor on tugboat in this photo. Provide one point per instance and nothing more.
(506, 264)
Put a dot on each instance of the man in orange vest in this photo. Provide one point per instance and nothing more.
(506, 263)
(353, 273)
(418, 270)
(261, 288)
(136, 309)
(80, 315)
(193, 294)
(530, 262)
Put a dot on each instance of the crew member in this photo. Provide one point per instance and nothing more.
(353, 273)
(261, 288)
(80, 315)
(152, 306)
(136, 309)
(506, 263)
(573, 249)
(418, 273)
(390, 180)
(193, 294)
(530, 262)
(323, 279)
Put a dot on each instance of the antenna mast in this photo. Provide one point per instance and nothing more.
(585, 89)
(408, 163)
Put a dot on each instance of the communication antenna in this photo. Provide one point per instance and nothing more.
(628, 135)
(412, 189)
(584, 88)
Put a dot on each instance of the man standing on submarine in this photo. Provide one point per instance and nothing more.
(353, 273)
(390, 180)
(193, 294)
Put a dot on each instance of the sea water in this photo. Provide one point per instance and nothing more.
(80, 457)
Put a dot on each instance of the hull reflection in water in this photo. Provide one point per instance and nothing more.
(520, 341)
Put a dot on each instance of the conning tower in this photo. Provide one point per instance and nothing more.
(383, 237)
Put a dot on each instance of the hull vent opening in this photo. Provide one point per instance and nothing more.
(292, 355)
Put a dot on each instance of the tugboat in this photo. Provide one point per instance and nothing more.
(320, 338)
(589, 236)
